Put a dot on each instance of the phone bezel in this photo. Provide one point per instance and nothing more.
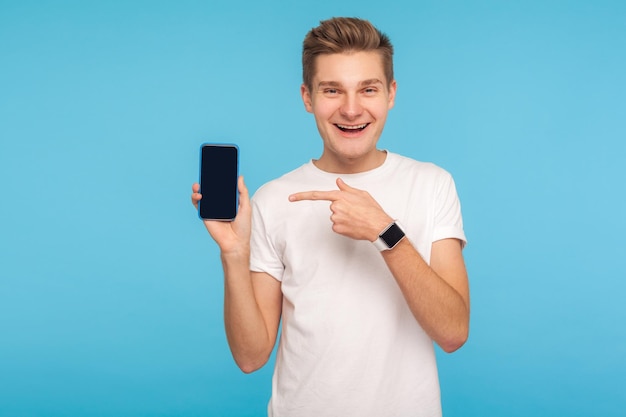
(221, 145)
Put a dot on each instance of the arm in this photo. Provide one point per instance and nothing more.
(252, 309)
(252, 301)
(438, 295)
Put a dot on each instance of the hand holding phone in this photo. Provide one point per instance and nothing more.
(219, 170)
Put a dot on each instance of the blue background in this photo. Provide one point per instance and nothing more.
(111, 289)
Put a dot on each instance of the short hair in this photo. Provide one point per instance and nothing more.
(341, 35)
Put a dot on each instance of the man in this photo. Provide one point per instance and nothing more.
(359, 252)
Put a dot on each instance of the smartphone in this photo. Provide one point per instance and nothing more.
(219, 170)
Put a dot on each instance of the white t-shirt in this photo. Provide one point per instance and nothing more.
(350, 346)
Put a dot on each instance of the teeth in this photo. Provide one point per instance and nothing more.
(352, 127)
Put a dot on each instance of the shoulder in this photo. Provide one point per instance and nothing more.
(409, 166)
(282, 185)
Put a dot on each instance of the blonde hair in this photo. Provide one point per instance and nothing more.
(340, 35)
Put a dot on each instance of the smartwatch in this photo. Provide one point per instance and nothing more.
(389, 237)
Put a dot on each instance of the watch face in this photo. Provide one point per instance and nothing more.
(392, 235)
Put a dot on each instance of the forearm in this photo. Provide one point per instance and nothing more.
(441, 309)
(246, 329)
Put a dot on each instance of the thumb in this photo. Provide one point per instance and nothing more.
(244, 197)
(343, 186)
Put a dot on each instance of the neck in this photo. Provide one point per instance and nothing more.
(351, 166)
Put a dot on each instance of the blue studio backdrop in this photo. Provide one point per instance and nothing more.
(111, 289)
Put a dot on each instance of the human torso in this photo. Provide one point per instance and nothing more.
(349, 343)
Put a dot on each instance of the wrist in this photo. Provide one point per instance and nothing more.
(379, 226)
(389, 237)
(236, 255)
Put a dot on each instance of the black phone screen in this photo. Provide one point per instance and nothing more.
(218, 182)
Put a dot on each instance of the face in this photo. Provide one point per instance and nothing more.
(350, 99)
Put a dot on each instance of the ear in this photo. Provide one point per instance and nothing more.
(306, 98)
(393, 86)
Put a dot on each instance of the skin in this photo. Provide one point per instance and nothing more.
(350, 99)
(349, 91)
(252, 300)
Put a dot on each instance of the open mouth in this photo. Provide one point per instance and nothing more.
(350, 128)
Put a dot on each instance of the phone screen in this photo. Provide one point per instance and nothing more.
(218, 182)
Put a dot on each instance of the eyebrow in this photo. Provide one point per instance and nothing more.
(363, 83)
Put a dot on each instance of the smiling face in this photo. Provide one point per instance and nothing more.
(350, 98)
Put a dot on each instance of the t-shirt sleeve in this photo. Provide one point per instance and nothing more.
(448, 218)
(263, 254)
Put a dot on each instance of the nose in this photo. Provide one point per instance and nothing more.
(351, 106)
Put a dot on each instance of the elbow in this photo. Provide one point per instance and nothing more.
(249, 366)
(248, 369)
(250, 357)
(456, 335)
(454, 342)
(452, 345)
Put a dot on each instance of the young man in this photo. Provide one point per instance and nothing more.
(359, 252)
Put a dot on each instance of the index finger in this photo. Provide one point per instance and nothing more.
(315, 195)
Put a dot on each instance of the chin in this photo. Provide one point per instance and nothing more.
(353, 153)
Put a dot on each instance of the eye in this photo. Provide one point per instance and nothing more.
(370, 91)
(330, 91)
